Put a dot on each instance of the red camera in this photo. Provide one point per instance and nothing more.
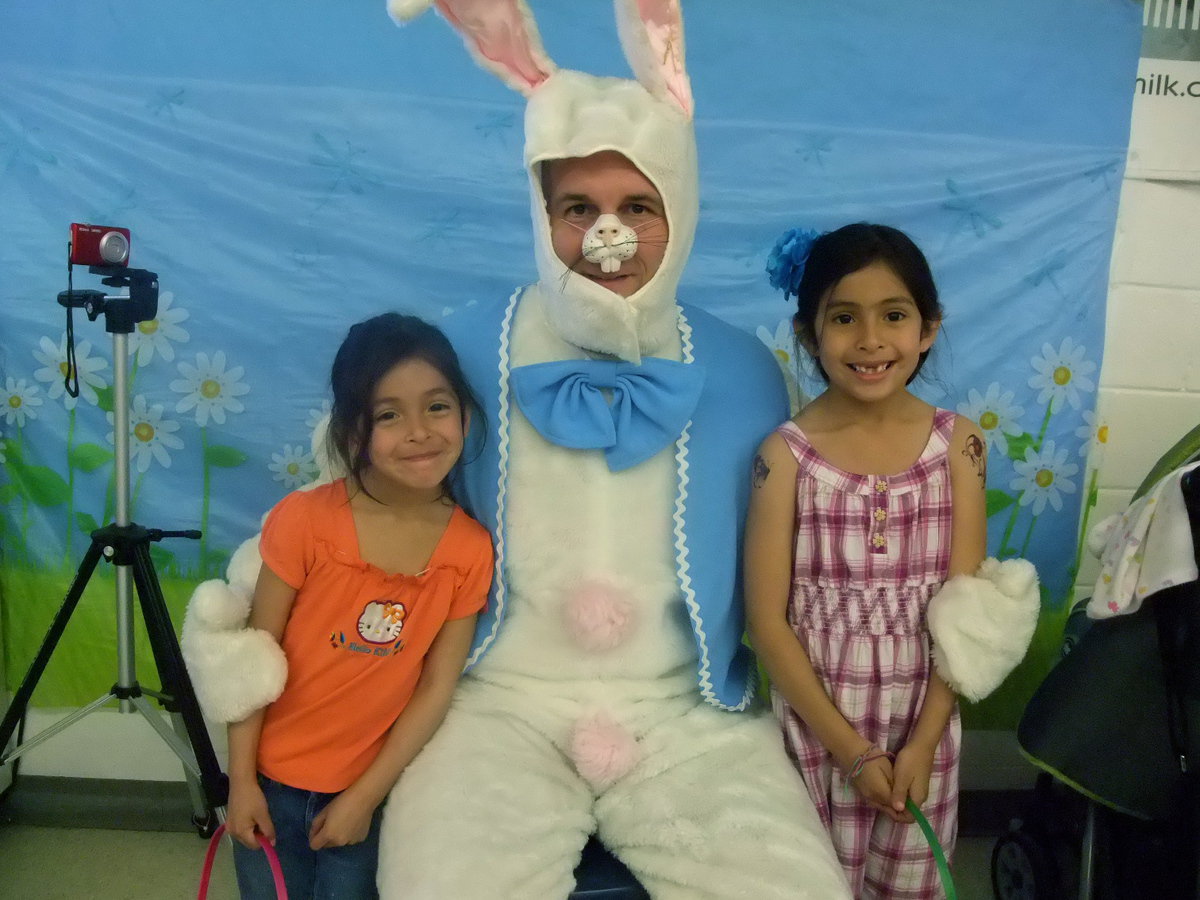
(99, 245)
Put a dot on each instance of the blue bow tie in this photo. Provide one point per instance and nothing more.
(651, 403)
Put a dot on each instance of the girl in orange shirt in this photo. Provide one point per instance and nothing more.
(371, 585)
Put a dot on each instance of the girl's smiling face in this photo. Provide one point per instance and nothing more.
(417, 431)
(870, 335)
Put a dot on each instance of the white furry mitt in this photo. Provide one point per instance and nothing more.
(982, 625)
(234, 669)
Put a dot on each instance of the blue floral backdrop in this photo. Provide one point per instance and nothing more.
(289, 169)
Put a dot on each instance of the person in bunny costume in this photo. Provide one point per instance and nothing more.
(608, 687)
(608, 690)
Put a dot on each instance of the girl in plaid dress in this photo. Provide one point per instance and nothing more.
(862, 506)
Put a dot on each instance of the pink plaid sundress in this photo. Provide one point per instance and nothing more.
(870, 552)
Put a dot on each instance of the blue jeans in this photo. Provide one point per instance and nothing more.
(333, 873)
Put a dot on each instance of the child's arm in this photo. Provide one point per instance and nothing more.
(347, 819)
(247, 810)
(768, 551)
(968, 546)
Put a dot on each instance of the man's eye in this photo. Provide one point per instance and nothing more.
(638, 209)
(577, 210)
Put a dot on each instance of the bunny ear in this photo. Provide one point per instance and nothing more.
(501, 35)
(651, 33)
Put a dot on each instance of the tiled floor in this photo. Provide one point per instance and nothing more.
(148, 854)
(38, 863)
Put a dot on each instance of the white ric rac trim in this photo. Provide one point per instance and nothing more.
(682, 567)
(502, 481)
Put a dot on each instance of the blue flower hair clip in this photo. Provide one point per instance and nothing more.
(785, 265)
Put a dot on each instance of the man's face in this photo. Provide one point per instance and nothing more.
(581, 189)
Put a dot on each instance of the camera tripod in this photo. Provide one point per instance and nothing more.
(127, 546)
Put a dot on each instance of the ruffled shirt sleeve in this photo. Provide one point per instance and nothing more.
(288, 545)
(475, 581)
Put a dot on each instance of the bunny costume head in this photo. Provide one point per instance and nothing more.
(573, 115)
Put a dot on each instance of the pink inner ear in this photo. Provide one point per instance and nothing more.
(500, 34)
(664, 31)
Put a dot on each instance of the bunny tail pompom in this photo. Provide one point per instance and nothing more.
(234, 670)
(602, 750)
(403, 11)
(599, 617)
(982, 625)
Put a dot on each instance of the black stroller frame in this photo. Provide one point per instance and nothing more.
(1115, 731)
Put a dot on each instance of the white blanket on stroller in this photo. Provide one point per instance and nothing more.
(1148, 548)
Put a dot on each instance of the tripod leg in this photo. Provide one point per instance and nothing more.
(205, 821)
(177, 685)
(21, 699)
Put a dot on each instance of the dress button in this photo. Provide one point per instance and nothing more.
(880, 514)
(881, 486)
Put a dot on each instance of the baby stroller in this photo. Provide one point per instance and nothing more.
(1115, 731)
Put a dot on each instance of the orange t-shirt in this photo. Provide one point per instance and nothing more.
(357, 637)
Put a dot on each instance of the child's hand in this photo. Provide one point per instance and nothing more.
(344, 821)
(246, 816)
(875, 784)
(914, 764)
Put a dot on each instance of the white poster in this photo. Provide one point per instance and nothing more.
(1165, 129)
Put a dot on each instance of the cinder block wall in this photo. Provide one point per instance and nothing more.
(1150, 376)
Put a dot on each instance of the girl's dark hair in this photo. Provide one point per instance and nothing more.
(836, 254)
(371, 349)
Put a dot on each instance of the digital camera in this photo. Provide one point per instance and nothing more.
(99, 245)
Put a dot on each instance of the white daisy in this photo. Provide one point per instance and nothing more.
(209, 389)
(1043, 477)
(799, 374)
(150, 434)
(55, 367)
(1093, 433)
(156, 335)
(995, 413)
(1062, 374)
(19, 401)
(294, 466)
(316, 415)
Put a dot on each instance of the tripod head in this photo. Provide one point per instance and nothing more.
(121, 311)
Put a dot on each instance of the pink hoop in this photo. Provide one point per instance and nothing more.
(272, 861)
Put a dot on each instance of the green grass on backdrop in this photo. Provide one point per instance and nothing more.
(84, 664)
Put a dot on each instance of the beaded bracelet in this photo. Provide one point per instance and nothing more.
(863, 758)
(860, 761)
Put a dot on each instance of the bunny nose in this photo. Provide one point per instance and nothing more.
(609, 242)
(607, 227)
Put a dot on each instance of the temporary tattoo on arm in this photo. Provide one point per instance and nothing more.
(760, 471)
(977, 454)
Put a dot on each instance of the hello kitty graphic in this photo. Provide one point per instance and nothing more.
(381, 621)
